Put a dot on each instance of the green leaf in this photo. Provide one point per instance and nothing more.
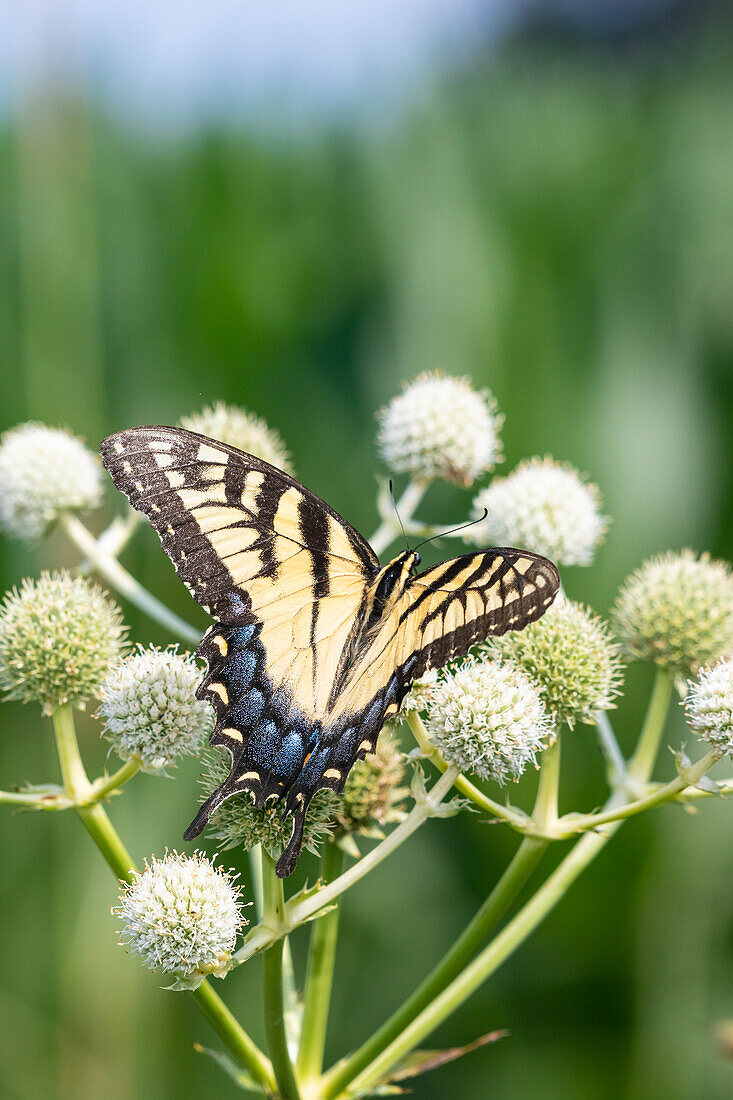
(421, 1061)
(240, 1076)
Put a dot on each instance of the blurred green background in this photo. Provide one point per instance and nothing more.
(549, 211)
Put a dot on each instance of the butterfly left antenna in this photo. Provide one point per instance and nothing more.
(399, 520)
(452, 530)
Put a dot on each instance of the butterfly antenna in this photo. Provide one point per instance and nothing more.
(452, 530)
(399, 520)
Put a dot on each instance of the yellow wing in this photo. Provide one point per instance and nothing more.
(445, 611)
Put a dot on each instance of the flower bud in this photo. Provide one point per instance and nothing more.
(181, 915)
(149, 707)
(58, 637)
(43, 472)
(676, 610)
(439, 426)
(709, 705)
(242, 429)
(545, 506)
(237, 822)
(571, 657)
(488, 719)
(372, 794)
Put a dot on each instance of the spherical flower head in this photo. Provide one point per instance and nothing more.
(676, 610)
(488, 719)
(709, 705)
(570, 654)
(241, 429)
(43, 472)
(149, 707)
(372, 795)
(421, 692)
(181, 915)
(58, 637)
(440, 426)
(237, 822)
(545, 506)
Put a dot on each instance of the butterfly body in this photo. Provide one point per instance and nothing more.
(314, 644)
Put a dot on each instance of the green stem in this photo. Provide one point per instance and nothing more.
(234, 1037)
(105, 836)
(545, 811)
(52, 797)
(524, 862)
(76, 784)
(101, 788)
(297, 912)
(645, 754)
(118, 577)
(489, 960)
(319, 977)
(615, 762)
(389, 529)
(665, 792)
(535, 910)
(103, 833)
(274, 916)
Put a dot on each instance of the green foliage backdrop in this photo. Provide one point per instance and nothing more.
(559, 226)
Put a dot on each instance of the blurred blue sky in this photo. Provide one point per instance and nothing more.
(173, 62)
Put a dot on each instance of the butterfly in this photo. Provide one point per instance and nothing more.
(314, 644)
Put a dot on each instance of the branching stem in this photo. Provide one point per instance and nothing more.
(123, 582)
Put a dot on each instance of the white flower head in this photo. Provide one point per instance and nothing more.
(421, 692)
(709, 705)
(43, 472)
(58, 637)
(241, 429)
(676, 610)
(149, 707)
(545, 506)
(440, 426)
(488, 719)
(181, 915)
(570, 654)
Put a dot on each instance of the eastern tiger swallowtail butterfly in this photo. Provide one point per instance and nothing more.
(315, 644)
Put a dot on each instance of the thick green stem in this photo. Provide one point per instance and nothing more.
(105, 836)
(124, 583)
(545, 811)
(319, 977)
(274, 917)
(526, 859)
(539, 905)
(75, 781)
(489, 960)
(234, 1037)
(642, 762)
